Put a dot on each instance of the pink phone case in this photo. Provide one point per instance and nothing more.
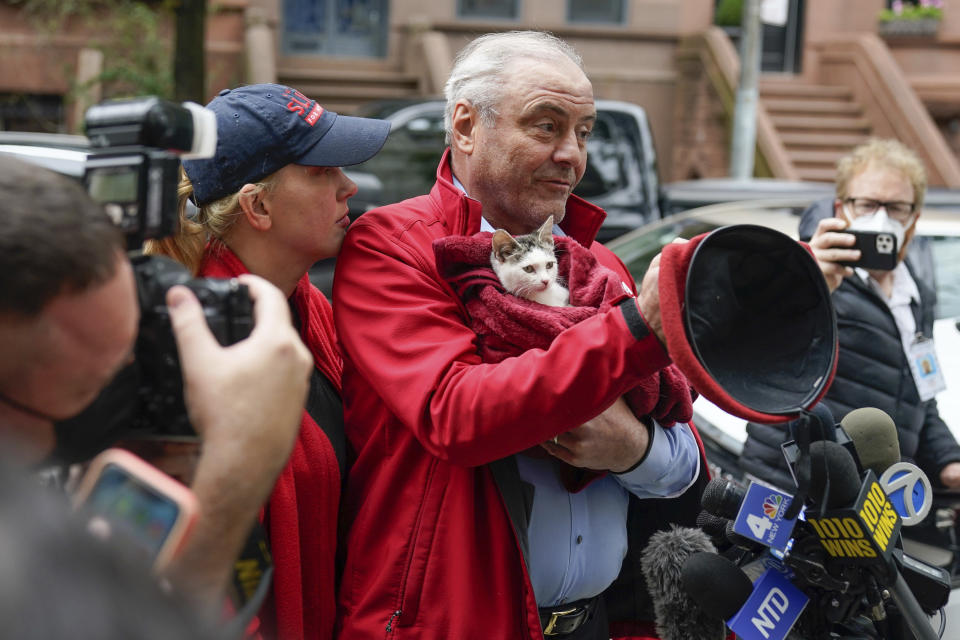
(146, 475)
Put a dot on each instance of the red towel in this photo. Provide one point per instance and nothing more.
(507, 325)
(301, 515)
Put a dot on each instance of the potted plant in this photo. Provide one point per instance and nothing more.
(921, 19)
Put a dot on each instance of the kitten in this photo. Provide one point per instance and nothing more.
(527, 266)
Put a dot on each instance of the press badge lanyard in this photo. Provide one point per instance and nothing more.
(925, 367)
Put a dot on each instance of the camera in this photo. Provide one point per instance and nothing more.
(133, 172)
(135, 160)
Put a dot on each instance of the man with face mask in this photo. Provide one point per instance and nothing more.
(883, 317)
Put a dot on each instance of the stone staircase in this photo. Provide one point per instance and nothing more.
(343, 90)
(817, 124)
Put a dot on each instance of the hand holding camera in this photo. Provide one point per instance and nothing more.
(248, 396)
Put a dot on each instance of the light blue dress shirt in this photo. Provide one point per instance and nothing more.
(578, 540)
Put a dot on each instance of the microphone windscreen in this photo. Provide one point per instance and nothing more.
(829, 459)
(874, 436)
(722, 497)
(676, 616)
(720, 587)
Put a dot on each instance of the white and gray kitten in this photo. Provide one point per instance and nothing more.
(527, 266)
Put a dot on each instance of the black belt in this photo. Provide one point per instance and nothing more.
(565, 618)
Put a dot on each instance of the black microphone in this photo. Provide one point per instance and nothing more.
(874, 436)
(677, 617)
(722, 497)
(742, 541)
(716, 584)
(829, 461)
(823, 426)
(714, 526)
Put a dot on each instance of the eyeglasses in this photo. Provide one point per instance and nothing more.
(899, 211)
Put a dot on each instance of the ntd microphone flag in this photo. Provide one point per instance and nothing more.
(771, 609)
(761, 518)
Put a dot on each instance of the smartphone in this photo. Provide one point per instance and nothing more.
(139, 502)
(878, 250)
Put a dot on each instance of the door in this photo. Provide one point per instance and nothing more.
(351, 28)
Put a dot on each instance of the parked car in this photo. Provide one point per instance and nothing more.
(60, 152)
(676, 197)
(689, 194)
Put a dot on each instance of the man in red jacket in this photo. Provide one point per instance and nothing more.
(452, 534)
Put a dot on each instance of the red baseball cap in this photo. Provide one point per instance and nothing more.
(749, 320)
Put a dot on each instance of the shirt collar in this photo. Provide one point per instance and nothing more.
(904, 287)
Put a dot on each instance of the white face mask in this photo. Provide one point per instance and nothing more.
(877, 222)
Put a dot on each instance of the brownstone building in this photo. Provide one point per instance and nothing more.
(833, 75)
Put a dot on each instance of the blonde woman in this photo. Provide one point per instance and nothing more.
(272, 202)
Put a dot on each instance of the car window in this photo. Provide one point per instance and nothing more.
(946, 261)
(407, 164)
(642, 248)
(613, 160)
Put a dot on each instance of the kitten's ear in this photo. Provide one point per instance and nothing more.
(503, 245)
(545, 232)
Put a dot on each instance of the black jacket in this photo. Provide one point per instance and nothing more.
(872, 371)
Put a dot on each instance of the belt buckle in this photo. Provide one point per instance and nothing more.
(548, 630)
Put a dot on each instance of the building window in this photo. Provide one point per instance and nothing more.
(607, 11)
(20, 112)
(335, 27)
(487, 8)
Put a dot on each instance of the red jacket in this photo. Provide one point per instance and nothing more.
(436, 512)
(301, 517)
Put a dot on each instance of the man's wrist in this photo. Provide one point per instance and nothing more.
(646, 452)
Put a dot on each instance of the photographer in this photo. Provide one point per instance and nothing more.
(68, 322)
(273, 201)
(883, 316)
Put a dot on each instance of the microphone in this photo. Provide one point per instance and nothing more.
(874, 437)
(762, 610)
(864, 533)
(714, 526)
(720, 587)
(831, 462)
(823, 426)
(722, 497)
(662, 562)
(742, 541)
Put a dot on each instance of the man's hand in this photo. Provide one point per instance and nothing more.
(246, 402)
(950, 475)
(828, 245)
(649, 299)
(614, 440)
